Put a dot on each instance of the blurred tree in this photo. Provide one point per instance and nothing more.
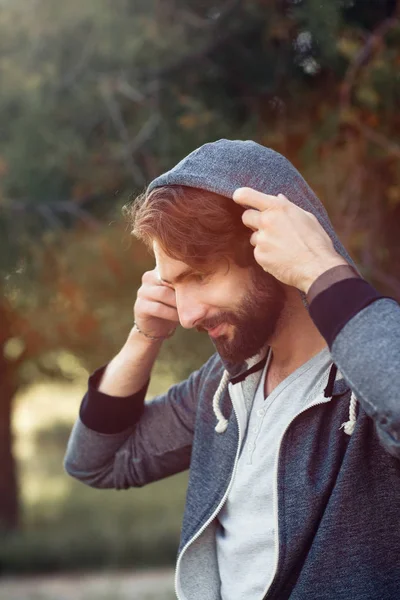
(99, 97)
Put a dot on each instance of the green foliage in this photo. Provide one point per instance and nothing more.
(81, 82)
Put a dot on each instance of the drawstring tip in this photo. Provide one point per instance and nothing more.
(348, 427)
(221, 426)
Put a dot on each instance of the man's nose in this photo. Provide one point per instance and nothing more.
(190, 311)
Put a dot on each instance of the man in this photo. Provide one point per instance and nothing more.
(294, 487)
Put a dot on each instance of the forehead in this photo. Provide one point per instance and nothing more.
(165, 261)
(169, 269)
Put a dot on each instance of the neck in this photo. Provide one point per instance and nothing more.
(296, 339)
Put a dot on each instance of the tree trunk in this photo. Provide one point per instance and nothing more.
(8, 477)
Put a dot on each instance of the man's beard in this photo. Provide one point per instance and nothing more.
(254, 321)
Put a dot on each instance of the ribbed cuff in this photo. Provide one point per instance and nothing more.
(330, 277)
(110, 414)
(335, 306)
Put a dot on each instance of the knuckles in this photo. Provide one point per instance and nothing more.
(150, 276)
(157, 310)
(258, 253)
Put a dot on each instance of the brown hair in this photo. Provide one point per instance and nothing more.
(197, 227)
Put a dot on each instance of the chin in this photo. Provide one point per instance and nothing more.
(236, 356)
(238, 353)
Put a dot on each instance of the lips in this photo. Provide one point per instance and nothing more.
(215, 330)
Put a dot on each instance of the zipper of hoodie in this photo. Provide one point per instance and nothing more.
(275, 493)
(216, 511)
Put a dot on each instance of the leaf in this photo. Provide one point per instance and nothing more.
(372, 119)
(393, 196)
(367, 96)
(188, 121)
(348, 47)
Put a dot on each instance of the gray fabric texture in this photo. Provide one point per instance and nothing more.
(338, 496)
(375, 332)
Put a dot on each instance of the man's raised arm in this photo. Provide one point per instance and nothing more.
(102, 450)
(361, 327)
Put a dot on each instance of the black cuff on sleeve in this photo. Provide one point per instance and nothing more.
(110, 414)
(335, 306)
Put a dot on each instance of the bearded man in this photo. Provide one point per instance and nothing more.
(291, 430)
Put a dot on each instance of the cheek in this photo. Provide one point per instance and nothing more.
(228, 294)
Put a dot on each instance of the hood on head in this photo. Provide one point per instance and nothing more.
(225, 165)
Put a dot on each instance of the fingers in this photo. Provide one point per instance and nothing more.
(157, 309)
(158, 293)
(253, 238)
(151, 277)
(255, 217)
(254, 199)
(251, 218)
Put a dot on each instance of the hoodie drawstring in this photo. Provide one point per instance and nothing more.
(222, 422)
(348, 426)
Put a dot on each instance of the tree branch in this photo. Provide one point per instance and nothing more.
(378, 138)
(116, 117)
(211, 44)
(360, 61)
(363, 57)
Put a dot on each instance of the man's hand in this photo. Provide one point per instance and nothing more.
(289, 243)
(155, 313)
(155, 309)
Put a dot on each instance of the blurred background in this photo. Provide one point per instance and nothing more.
(97, 98)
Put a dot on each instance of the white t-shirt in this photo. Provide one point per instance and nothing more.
(245, 538)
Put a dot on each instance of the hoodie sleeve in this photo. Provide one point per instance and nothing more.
(127, 443)
(362, 329)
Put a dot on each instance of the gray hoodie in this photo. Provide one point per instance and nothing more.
(337, 496)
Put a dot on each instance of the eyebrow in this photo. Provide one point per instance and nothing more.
(179, 277)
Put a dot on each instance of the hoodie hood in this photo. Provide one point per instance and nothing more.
(222, 167)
